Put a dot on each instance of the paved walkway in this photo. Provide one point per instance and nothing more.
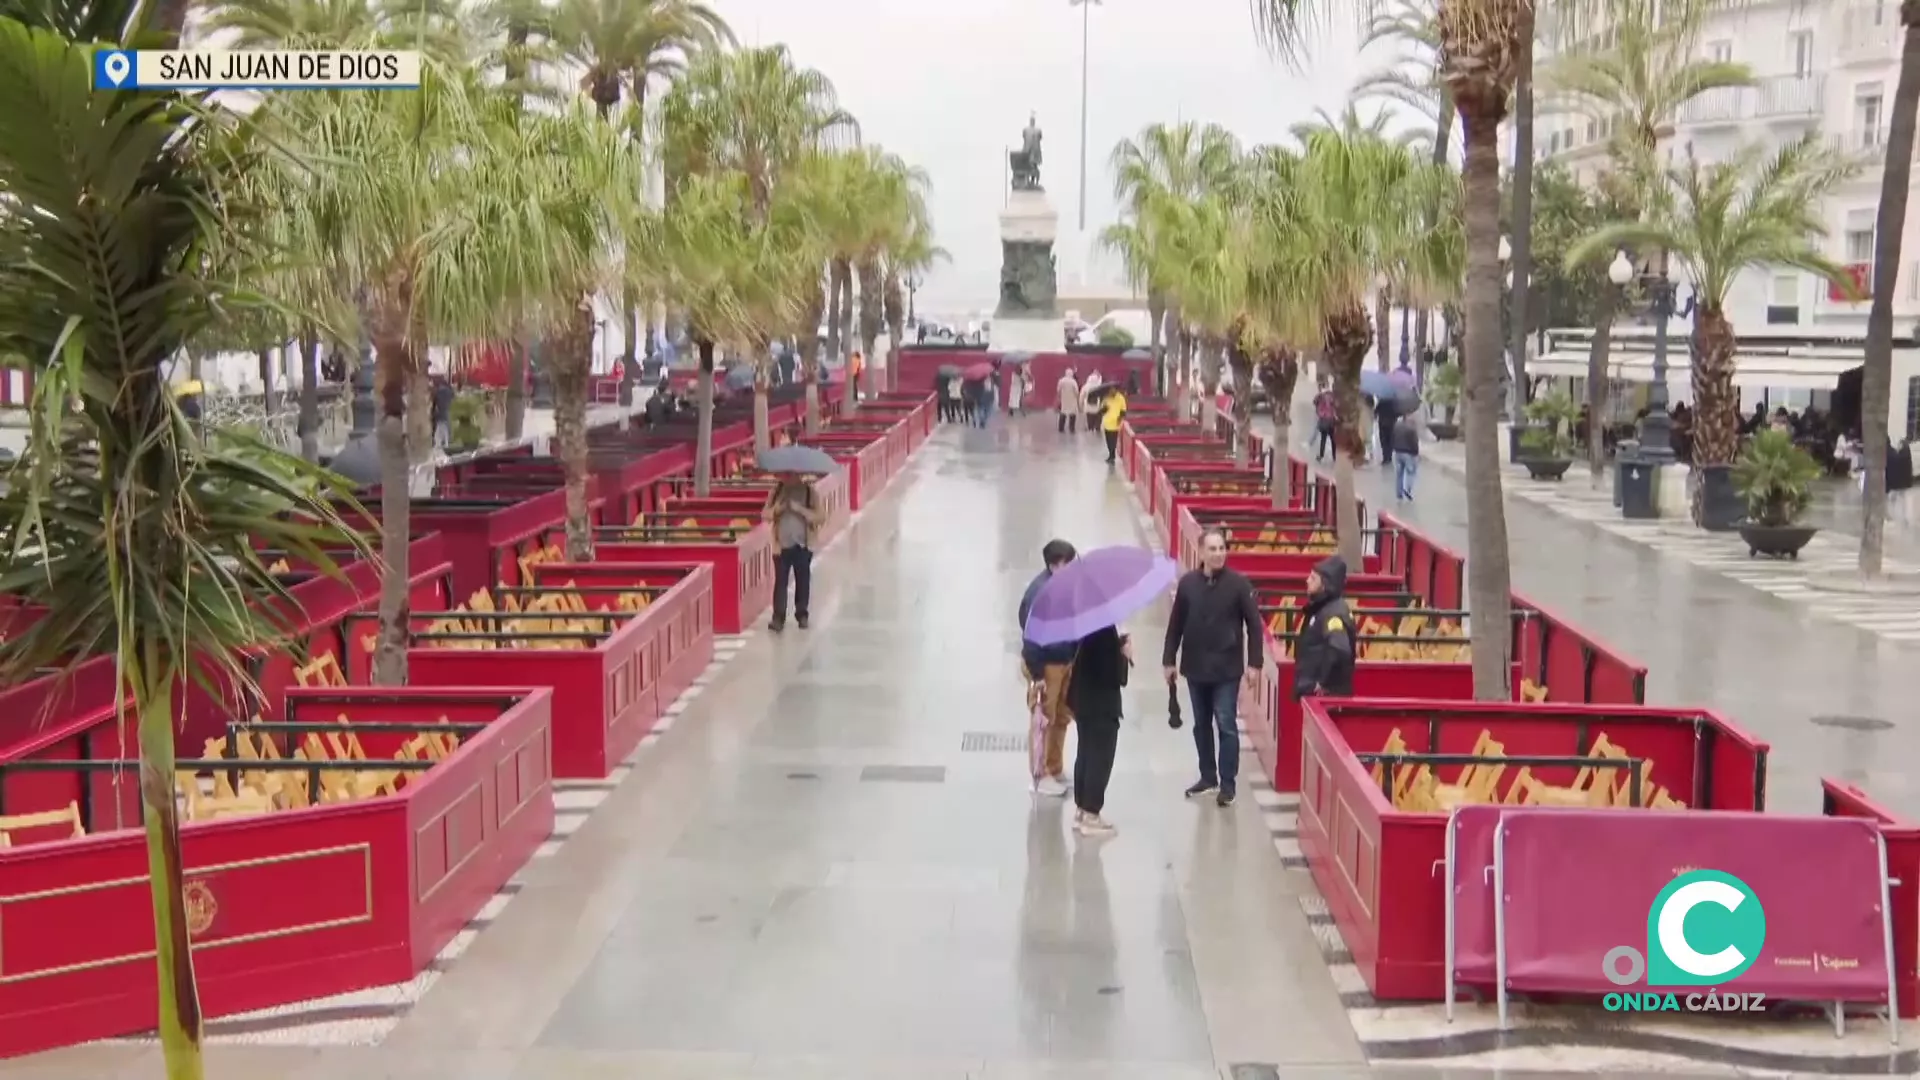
(829, 868)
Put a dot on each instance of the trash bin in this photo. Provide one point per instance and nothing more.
(1626, 451)
(1639, 482)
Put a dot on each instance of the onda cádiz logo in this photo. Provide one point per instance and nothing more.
(1705, 929)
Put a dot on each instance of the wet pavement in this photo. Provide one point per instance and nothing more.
(830, 867)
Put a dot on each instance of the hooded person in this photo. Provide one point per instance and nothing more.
(1323, 657)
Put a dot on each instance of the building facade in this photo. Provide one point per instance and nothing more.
(1825, 66)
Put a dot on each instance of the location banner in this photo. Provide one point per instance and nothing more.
(1606, 901)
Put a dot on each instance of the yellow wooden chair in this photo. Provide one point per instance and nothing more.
(67, 817)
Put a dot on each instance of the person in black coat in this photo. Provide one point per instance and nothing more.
(1215, 634)
(1099, 675)
(1323, 657)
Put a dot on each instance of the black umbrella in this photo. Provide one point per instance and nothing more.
(1173, 705)
(358, 461)
(1136, 354)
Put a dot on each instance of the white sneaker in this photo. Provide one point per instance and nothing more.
(1050, 787)
(1093, 825)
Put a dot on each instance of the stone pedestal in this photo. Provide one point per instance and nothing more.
(1026, 319)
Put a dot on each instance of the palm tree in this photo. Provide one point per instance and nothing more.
(1635, 80)
(1202, 265)
(704, 243)
(386, 185)
(757, 115)
(1752, 211)
(1179, 161)
(1483, 47)
(122, 519)
(1890, 224)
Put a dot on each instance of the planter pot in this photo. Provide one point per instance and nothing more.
(1721, 507)
(1443, 431)
(1547, 468)
(1776, 541)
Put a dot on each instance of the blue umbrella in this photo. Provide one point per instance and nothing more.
(1096, 590)
(796, 460)
(1378, 384)
(1136, 354)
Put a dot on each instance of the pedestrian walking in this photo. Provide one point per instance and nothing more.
(1323, 654)
(1406, 455)
(1016, 392)
(1047, 668)
(989, 397)
(1090, 401)
(1069, 402)
(1112, 410)
(1214, 640)
(795, 517)
(1094, 691)
(856, 367)
(1324, 419)
(442, 407)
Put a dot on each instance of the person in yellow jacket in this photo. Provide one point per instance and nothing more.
(1113, 408)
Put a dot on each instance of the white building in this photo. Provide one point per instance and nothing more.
(1822, 65)
(1825, 66)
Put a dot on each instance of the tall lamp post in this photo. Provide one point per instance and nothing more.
(1656, 431)
(1086, 29)
(913, 286)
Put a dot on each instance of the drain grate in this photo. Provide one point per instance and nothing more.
(904, 774)
(1852, 723)
(993, 742)
(1254, 1071)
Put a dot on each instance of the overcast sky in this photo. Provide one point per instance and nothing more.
(948, 86)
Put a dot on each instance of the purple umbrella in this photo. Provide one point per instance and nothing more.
(1098, 589)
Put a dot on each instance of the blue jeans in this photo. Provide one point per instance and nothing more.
(986, 412)
(1405, 468)
(1215, 720)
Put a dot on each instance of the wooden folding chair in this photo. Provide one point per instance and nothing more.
(322, 670)
(68, 817)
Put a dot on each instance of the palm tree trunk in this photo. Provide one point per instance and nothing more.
(516, 388)
(420, 416)
(809, 346)
(1877, 377)
(1383, 329)
(1597, 390)
(309, 396)
(1489, 572)
(1716, 404)
(1348, 336)
(1242, 365)
(1209, 386)
(1522, 240)
(1443, 129)
(181, 1026)
(393, 374)
(571, 362)
(839, 298)
(1157, 342)
(762, 385)
(703, 438)
(1280, 375)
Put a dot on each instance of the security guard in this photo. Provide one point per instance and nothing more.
(1324, 654)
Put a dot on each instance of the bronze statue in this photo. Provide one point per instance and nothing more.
(1025, 162)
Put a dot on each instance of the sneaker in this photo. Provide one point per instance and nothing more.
(800, 621)
(777, 625)
(1225, 798)
(1061, 779)
(1050, 787)
(1201, 787)
(1094, 825)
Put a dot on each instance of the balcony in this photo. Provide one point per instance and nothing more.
(1867, 144)
(1869, 34)
(1791, 97)
(1727, 105)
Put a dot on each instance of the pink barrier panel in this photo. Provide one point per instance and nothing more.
(1902, 837)
(1574, 885)
(1471, 946)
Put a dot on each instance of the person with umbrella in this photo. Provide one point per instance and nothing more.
(949, 400)
(796, 518)
(1215, 622)
(1084, 602)
(1047, 668)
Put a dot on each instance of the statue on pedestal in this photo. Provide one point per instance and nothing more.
(1024, 163)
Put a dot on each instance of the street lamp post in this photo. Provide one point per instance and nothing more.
(913, 286)
(1510, 402)
(1656, 431)
(1086, 29)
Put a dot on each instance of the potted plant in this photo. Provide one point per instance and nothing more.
(1443, 393)
(1775, 477)
(1547, 447)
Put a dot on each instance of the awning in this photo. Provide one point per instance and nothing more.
(1760, 369)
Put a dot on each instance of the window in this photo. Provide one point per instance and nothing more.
(1859, 245)
(1800, 46)
(1721, 51)
(1783, 307)
(1867, 102)
(1593, 130)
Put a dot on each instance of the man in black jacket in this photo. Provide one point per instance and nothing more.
(1215, 632)
(1048, 668)
(1323, 656)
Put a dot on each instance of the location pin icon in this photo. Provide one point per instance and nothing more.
(118, 68)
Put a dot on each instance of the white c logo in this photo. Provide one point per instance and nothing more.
(1673, 933)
